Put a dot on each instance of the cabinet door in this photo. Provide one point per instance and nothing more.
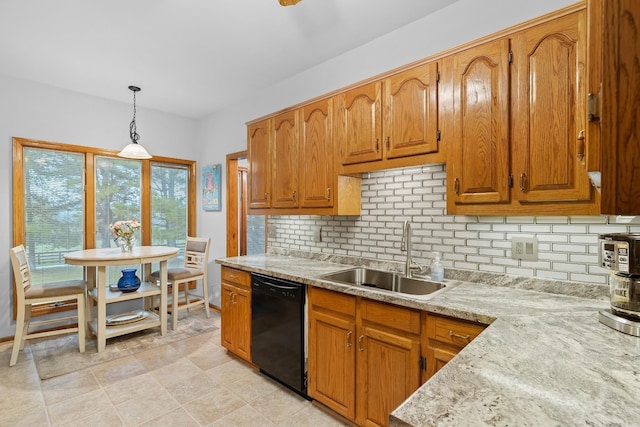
(284, 174)
(242, 319)
(316, 154)
(359, 124)
(388, 373)
(227, 315)
(259, 153)
(550, 111)
(331, 360)
(410, 112)
(620, 104)
(479, 163)
(236, 320)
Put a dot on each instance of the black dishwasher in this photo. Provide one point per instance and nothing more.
(278, 330)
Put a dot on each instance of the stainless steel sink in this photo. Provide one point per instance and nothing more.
(385, 280)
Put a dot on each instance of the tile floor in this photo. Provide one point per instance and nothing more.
(192, 382)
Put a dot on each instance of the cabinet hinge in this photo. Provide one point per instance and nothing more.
(510, 181)
(422, 363)
(593, 107)
(437, 76)
(438, 135)
(510, 57)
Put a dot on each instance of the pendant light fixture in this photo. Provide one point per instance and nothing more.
(134, 150)
(288, 2)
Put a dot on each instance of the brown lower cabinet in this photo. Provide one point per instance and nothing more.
(236, 312)
(443, 338)
(363, 355)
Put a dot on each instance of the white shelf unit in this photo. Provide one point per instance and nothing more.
(146, 289)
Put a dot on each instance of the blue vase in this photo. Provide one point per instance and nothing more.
(129, 282)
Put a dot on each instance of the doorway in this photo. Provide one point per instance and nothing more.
(245, 233)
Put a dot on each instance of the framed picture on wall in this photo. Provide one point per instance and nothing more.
(211, 187)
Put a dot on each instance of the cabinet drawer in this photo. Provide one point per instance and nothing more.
(332, 301)
(236, 277)
(391, 316)
(454, 331)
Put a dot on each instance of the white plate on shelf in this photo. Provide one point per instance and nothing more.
(124, 318)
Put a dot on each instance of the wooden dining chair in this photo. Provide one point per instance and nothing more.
(27, 295)
(196, 257)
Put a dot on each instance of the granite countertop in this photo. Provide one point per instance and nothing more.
(544, 359)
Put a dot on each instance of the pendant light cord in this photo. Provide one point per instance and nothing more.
(133, 134)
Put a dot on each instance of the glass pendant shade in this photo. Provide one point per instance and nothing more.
(134, 151)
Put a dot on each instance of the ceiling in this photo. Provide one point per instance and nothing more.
(190, 57)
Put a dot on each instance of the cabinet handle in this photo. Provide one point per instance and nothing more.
(388, 142)
(294, 196)
(329, 193)
(580, 147)
(266, 195)
(377, 144)
(462, 337)
(523, 182)
(456, 185)
(349, 343)
(360, 340)
(233, 297)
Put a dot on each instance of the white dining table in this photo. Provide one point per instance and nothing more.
(96, 262)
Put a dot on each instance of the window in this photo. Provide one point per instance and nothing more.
(53, 220)
(66, 196)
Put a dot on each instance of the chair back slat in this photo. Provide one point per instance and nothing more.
(21, 271)
(196, 253)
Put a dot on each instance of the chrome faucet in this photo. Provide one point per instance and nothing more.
(405, 245)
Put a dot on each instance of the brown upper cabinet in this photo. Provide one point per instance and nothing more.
(509, 114)
(614, 83)
(388, 119)
(260, 164)
(478, 160)
(284, 174)
(550, 112)
(291, 167)
(519, 117)
(316, 149)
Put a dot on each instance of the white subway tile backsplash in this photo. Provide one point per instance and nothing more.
(545, 274)
(567, 245)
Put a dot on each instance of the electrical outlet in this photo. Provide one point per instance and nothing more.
(272, 231)
(524, 247)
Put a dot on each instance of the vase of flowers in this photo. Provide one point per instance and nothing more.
(124, 233)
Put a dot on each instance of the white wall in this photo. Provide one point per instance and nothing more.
(466, 20)
(41, 112)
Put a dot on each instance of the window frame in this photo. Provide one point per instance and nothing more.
(89, 200)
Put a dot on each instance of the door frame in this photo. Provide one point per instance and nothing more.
(232, 202)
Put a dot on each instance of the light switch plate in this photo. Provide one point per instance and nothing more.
(524, 248)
